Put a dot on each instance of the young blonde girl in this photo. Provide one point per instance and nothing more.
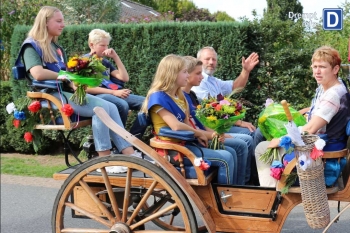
(166, 105)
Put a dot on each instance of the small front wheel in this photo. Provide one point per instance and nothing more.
(91, 201)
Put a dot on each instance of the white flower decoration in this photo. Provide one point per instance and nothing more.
(304, 162)
(268, 102)
(319, 144)
(197, 162)
(10, 108)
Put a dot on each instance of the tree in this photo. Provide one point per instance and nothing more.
(282, 8)
(184, 6)
(167, 5)
(91, 11)
(198, 15)
(223, 16)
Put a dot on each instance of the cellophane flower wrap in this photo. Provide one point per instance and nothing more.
(84, 72)
(219, 114)
(273, 118)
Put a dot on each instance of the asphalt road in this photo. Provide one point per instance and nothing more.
(26, 205)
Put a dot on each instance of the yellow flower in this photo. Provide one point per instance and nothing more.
(199, 106)
(212, 118)
(72, 63)
(207, 106)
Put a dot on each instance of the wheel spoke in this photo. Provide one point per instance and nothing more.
(142, 202)
(127, 194)
(111, 195)
(98, 202)
(153, 216)
(89, 214)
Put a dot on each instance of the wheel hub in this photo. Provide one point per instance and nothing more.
(120, 227)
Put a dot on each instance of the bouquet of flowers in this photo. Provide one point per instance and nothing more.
(84, 72)
(219, 114)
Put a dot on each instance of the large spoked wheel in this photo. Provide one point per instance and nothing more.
(91, 201)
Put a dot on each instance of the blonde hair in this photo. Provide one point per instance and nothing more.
(40, 34)
(165, 77)
(328, 54)
(192, 63)
(205, 48)
(97, 35)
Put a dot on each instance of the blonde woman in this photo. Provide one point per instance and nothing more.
(166, 105)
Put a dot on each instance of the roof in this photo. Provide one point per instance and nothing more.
(131, 9)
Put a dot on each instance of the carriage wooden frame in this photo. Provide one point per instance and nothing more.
(106, 198)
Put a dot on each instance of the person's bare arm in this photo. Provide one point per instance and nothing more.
(304, 110)
(247, 66)
(120, 73)
(124, 93)
(176, 125)
(314, 124)
(41, 74)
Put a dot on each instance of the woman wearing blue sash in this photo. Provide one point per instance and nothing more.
(43, 58)
(167, 106)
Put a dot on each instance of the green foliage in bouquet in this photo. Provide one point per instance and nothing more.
(273, 118)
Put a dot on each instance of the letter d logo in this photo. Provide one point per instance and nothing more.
(332, 19)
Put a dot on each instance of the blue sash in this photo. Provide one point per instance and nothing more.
(193, 111)
(162, 99)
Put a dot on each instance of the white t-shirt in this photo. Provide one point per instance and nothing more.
(328, 103)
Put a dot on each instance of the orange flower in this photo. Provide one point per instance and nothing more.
(218, 107)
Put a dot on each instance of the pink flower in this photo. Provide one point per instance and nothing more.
(225, 102)
(276, 173)
(12, 12)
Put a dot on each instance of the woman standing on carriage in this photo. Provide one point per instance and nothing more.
(166, 105)
(43, 58)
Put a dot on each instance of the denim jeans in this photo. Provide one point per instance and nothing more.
(241, 130)
(250, 157)
(132, 102)
(241, 148)
(258, 137)
(222, 159)
(101, 133)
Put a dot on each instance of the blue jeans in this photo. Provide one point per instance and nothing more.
(251, 156)
(132, 102)
(222, 159)
(240, 130)
(241, 148)
(258, 136)
(101, 133)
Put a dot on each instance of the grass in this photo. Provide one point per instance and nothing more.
(29, 167)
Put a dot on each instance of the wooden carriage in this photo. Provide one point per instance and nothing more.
(158, 197)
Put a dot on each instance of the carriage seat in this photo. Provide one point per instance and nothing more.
(184, 157)
(62, 122)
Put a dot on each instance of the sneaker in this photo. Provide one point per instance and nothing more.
(114, 169)
(138, 154)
